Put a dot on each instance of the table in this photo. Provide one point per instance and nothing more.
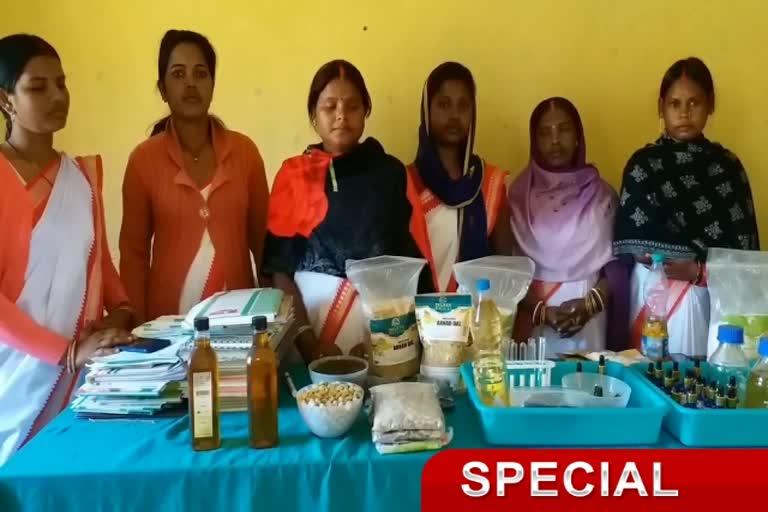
(115, 465)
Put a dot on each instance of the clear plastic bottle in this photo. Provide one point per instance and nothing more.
(655, 291)
(489, 366)
(757, 386)
(729, 361)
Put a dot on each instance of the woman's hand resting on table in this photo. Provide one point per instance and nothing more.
(102, 337)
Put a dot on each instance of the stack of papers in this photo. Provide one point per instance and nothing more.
(133, 384)
(238, 307)
(136, 384)
(232, 351)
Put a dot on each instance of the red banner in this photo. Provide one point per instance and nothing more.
(600, 480)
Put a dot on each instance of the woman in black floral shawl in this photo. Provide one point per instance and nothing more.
(680, 196)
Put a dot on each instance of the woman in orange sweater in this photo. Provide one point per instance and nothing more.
(195, 194)
(56, 274)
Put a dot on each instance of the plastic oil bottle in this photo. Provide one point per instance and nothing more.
(655, 337)
(730, 361)
(757, 386)
(489, 364)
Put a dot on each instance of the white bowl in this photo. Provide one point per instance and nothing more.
(330, 420)
(359, 377)
(616, 392)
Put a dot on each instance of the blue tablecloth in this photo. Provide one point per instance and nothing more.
(116, 465)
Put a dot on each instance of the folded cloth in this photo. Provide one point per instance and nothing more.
(402, 436)
(416, 446)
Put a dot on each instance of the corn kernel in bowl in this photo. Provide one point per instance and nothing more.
(330, 394)
(330, 409)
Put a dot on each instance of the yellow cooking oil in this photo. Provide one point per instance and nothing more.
(489, 364)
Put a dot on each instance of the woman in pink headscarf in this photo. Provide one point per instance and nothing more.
(562, 214)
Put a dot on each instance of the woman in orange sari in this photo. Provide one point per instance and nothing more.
(459, 200)
(56, 274)
(195, 194)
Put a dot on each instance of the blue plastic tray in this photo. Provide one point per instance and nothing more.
(637, 424)
(709, 428)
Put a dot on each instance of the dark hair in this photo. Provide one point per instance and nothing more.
(450, 71)
(170, 41)
(15, 53)
(331, 71)
(569, 108)
(694, 69)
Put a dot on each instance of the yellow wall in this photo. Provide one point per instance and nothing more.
(608, 56)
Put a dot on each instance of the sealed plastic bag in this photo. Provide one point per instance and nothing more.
(406, 416)
(510, 278)
(387, 285)
(443, 320)
(738, 290)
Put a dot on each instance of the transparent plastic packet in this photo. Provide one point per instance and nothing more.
(387, 285)
(510, 278)
(738, 294)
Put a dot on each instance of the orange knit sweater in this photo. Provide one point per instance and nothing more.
(163, 222)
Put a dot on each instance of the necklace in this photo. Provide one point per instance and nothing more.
(195, 155)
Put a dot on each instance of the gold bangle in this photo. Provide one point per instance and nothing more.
(301, 330)
(74, 357)
(699, 274)
(536, 316)
(71, 357)
(598, 298)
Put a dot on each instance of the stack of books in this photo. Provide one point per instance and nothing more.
(136, 384)
(230, 315)
(130, 384)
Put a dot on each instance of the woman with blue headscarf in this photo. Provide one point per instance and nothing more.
(459, 200)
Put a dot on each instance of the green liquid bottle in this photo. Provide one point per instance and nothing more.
(757, 385)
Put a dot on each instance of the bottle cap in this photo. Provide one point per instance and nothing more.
(675, 366)
(259, 323)
(601, 362)
(201, 323)
(657, 257)
(483, 285)
(730, 334)
(762, 347)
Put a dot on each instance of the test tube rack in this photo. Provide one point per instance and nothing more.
(527, 365)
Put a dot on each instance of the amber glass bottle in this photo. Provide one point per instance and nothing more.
(262, 388)
(203, 383)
